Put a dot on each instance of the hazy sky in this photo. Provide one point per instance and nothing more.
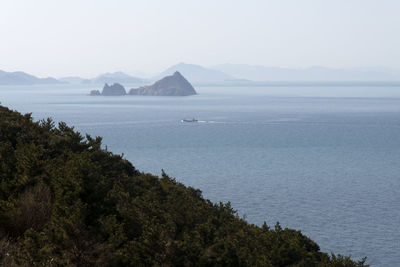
(88, 37)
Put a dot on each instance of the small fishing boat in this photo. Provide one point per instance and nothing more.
(192, 120)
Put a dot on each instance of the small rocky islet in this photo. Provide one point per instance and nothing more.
(110, 90)
(173, 85)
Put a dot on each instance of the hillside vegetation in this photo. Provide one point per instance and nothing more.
(66, 201)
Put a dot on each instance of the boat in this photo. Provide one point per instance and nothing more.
(192, 120)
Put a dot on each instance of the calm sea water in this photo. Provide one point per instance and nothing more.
(322, 160)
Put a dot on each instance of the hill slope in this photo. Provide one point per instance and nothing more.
(66, 201)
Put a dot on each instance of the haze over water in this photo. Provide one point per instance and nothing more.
(328, 166)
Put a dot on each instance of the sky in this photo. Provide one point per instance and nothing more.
(88, 37)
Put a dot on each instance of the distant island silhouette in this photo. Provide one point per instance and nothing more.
(173, 85)
(113, 90)
(22, 78)
(228, 75)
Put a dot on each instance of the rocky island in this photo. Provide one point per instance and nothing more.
(174, 85)
(95, 92)
(115, 89)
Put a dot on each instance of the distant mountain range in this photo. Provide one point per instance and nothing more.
(115, 77)
(316, 74)
(22, 78)
(242, 74)
(226, 74)
(75, 80)
(196, 73)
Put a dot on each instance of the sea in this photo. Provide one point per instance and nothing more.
(321, 159)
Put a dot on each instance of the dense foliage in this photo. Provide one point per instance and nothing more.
(66, 201)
